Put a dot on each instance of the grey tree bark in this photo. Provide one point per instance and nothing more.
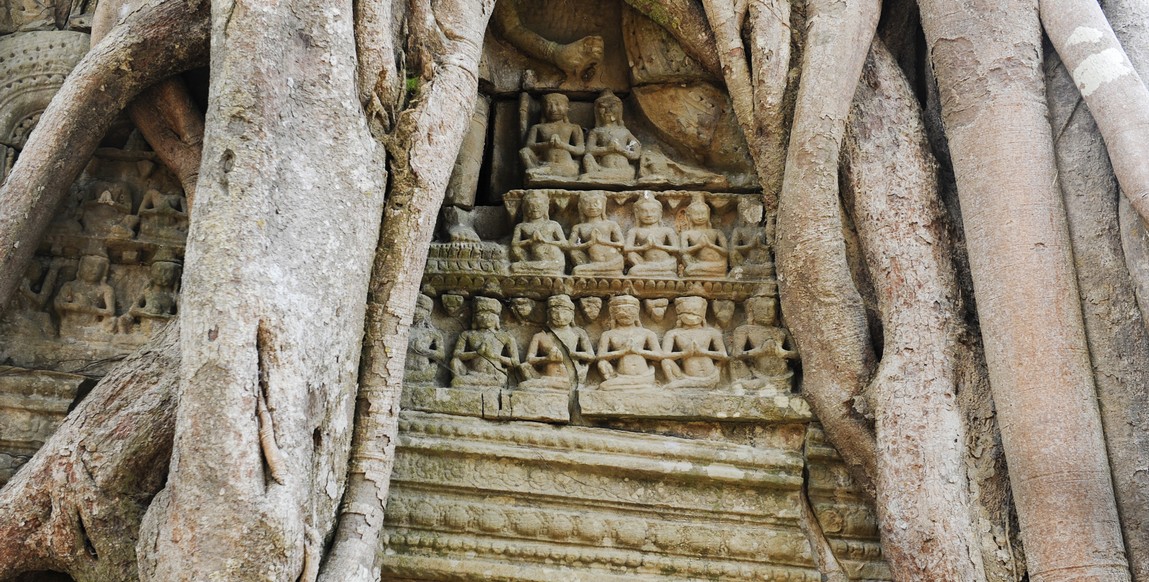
(1027, 295)
(278, 259)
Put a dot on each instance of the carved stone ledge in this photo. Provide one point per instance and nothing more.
(489, 403)
(33, 403)
(479, 402)
(541, 287)
(693, 405)
(545, 406)
(473, 499)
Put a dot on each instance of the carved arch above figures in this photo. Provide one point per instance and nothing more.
(33, 66)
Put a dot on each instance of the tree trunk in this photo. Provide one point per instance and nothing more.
(923, 504)
(820, 303)
(424, 146)
(278, 260)
(1026, 291)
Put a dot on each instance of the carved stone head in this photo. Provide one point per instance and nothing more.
(92, 268)
(555, 106)
(487, 312)
(648, 211)
(423, 306)
(762, 310)
(607, 109)
(691, 310)
(698, 212)
(522, 307)
(165, 274)
(624, 310)
(592, 204)
(560, 310)
(536, 206)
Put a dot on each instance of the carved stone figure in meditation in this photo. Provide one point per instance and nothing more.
(758, 348)
(704, 251)
(426, 346)
(484, 355)
(611, 150)
(596, 242)
(557, 357)
(537, 242)
(627, 350)
(694, 351)
(88, 299)
(651, 248)
(553, 146)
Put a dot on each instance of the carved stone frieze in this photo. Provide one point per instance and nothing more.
(597, 504)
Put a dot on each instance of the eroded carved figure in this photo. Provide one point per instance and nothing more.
(749, 243)
(579, 60)
(537, 242)
(596, 242)
(651, 248)
(426, 346)
(157, 303)
(758, 350)
(163, 215)
(611, 150)
(694, 351)
(88, 300)
(109, 213)
(554, 145)
(704, 252)
(483, 356)
(627, 350)
(558, 357)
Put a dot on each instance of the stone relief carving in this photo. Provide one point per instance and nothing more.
(485, 355)
(759, 352)
(651, 249)
(704, 252)
(595, 243)
(626, 352)
(694, 351)
(553, 145)
(611, 150)
(631, 286)
(88, 300)
(576, 251)
(558, 357)
(426, 347)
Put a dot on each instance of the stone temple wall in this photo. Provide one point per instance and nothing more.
(599, 385)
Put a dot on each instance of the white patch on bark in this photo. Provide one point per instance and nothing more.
(1083, 34)
(1099, 69)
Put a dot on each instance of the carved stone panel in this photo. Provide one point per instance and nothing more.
(525, 501)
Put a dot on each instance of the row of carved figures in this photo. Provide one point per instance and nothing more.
(597, 247)
(628, 356)
(107, 212)
(88, 302)
(556, 152)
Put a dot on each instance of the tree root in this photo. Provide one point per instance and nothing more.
(436, 124)
(76, 506)
(891, 175)
(820, 303)
(1027, 296)
(1114, 327)
(1117, 97)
